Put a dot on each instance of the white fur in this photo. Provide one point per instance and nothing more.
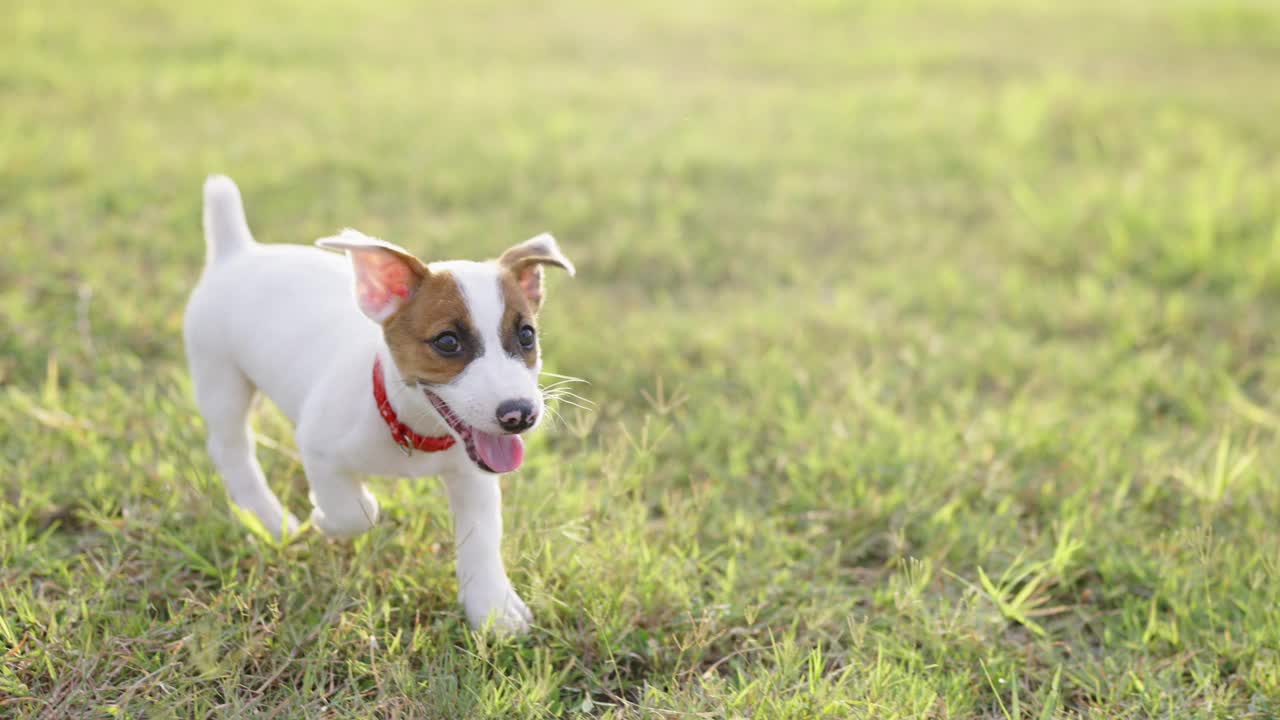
(280, 319)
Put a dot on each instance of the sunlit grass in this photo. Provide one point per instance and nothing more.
(931, 350)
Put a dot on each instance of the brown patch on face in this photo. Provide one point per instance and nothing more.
(517, 312)
(437, 306)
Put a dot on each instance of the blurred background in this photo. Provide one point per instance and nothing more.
(932, 346)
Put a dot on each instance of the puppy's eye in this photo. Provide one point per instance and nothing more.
(447, 343)
(526, 335)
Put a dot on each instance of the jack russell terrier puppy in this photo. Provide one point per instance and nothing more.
(431, 370)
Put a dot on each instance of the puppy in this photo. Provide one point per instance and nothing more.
(432, 370)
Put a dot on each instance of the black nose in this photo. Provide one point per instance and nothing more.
(516, 415)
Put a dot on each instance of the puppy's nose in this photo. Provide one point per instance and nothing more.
(516, 415)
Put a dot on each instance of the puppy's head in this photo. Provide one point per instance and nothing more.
(462, 333)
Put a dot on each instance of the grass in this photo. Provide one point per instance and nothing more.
(934, 347)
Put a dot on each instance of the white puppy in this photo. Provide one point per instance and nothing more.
(431, 370)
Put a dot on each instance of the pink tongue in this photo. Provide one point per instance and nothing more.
(502, 453)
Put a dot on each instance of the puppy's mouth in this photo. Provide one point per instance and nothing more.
(490, 452)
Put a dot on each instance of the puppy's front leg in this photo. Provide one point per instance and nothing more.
(483, 588)
(344, 507)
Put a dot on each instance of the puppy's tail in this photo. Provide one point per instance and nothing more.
(226, 232)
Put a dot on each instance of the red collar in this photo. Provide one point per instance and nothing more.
(404, 435)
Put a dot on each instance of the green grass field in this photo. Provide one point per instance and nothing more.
(933, 347)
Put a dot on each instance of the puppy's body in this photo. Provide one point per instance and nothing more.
(280, 319)
(304, 346)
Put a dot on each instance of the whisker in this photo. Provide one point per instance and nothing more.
(553, 392)
(565, 377)
(563, 382)
(570, 402)
(552, 388)
(570, 378)
(582, 403)
(566, 393)
(555, 416)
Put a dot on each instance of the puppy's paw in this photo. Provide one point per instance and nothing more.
(497, 608)
(270, 521)
(344, 525)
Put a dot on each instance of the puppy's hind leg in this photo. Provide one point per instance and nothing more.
(224, 397)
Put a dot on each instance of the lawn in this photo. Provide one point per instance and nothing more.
(932, 345)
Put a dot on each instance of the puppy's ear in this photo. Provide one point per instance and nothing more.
(387, 275)
(525, 262)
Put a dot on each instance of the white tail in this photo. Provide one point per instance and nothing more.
(226, 232)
